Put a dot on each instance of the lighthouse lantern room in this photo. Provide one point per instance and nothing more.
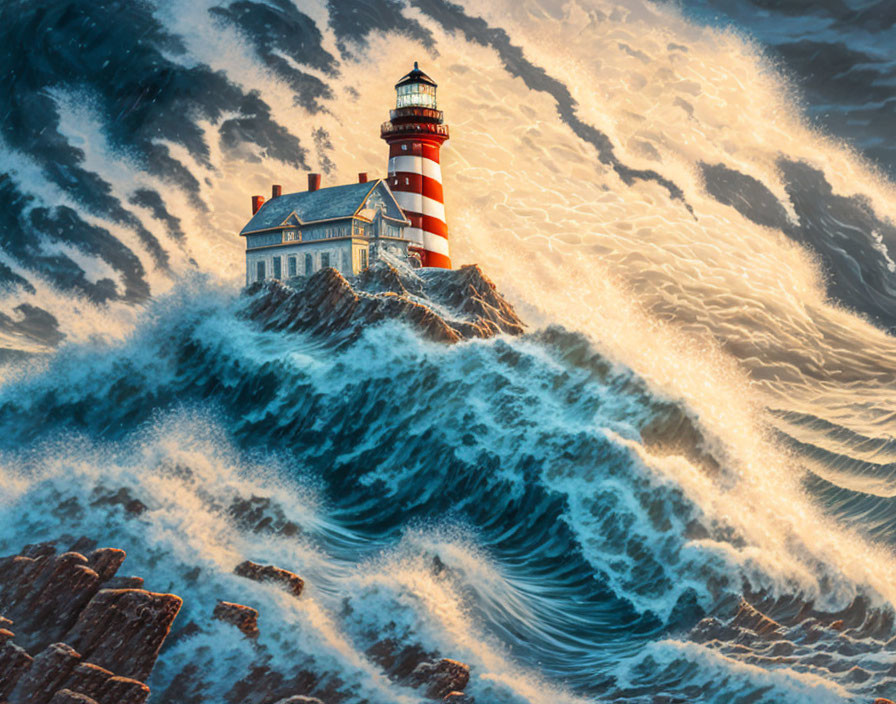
(415, 133)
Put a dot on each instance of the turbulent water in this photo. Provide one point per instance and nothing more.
(704, 408)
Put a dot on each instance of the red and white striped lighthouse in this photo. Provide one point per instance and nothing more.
(415, 134)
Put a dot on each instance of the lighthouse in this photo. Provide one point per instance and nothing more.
(415, 133)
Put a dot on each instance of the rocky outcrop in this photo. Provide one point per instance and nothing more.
(445, 305)
(261, 515)
(749, 617)
(411, 665)
(110, 639)
(269, 573)
(92, 643)
(441, 677)
(123, 629)
(243, 617)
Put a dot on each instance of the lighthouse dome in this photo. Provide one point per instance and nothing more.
(415, 89)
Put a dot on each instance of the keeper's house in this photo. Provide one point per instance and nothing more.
(341, 227)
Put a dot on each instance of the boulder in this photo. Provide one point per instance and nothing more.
(300, 699)
(458, 698)
(750, 618)
(289, 581)
(123, 629)
(46, 675)
(243, 617)
(262, 515)
(441, 677)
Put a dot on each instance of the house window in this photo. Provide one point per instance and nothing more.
(291, 265)
(259, 271)
(363, 259)
(324, 260)
(309, 264)
(404, 147)
(407, 181)
(277, 271)
(346, 260)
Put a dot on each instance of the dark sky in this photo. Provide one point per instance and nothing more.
(840, 54)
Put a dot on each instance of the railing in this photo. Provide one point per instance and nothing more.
(425, 113)
(388, 128)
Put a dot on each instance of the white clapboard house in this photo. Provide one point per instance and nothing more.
(296, 234)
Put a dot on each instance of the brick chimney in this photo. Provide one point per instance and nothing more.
(276, 191)
(362, 177)
(313, 182)
(257, 202)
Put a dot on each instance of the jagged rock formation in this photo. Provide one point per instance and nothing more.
(411, 665)
(269, 573)
(446, 305)
(80, 641)
(243, 617)
(90, 643)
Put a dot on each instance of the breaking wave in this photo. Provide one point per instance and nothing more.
(702, 413)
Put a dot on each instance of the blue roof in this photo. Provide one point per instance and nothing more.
(310, 206)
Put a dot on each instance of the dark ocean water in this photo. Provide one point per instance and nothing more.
(697, 225)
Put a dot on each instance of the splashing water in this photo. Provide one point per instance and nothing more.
(645, 191)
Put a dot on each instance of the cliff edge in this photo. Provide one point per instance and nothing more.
(444, 305)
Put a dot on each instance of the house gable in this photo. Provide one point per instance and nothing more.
(381, 196)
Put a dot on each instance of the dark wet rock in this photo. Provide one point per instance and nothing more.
(46, 675)
(67, 696)
(89, 679)
(186, 687)
(99, 635)
(441, 677)
(261, 515)
(750, 618)
(243, 617)
(124, 629)
(123, 497)
(445, 305)
(14, 662)
(105, 687)
(269, 573)
(411, 665)
(398, 661)
(43, 593)
(124, 583)
(458, 698)
(263, 685)
(105, 562)
(123, 690)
